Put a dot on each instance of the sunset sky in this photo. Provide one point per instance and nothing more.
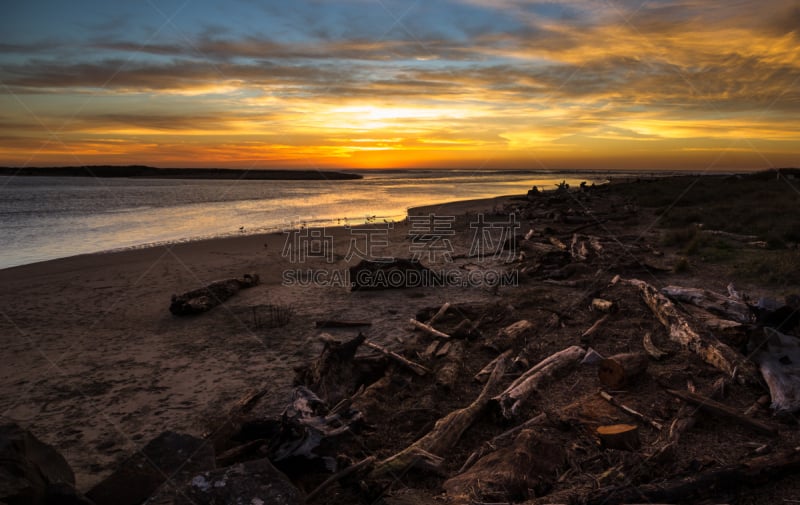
(384, 83)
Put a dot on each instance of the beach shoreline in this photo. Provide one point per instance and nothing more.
(99, 366)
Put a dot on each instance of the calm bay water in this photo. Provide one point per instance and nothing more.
(43, 218)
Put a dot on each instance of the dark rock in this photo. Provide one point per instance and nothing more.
(32, 472)
(139, 476)
(253, 482)
(394, 274)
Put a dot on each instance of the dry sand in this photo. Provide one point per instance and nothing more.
(94, 363)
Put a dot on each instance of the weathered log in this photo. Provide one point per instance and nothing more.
(430, 351)
(414, 367)
(511, 335)
(623, 437)
(208, 297)
(651, 349)
(779, 361)
(525, 468)
(519, 390)
(486, 370)
(447, 375)
(711, 301)
(332, 375)
(722, 410)
(706, 484)
(638, 415)
(446, 432)
(428, 329)
(558, 243)
(619, 370)
(710, 349)
(444, 308)
(490, 445)
(593, 328)
(444, 350)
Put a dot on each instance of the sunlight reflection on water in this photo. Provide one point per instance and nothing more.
(44, 218)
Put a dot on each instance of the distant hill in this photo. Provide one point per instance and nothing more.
(178, 173)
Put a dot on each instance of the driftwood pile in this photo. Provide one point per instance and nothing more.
(344, 438)
(593, 382)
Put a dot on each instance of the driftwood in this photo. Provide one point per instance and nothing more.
(525, 468)
(442, 311)
(558, 243)
(709, 483)
(332, 375)
(414, 367)
(779, 361)
(638, 415)
(623, 437)
(593, 328)
(447, 375)
(491, 445)
(428, 329)
(722, 410)
(445, 433)
(486, 371)
(651, 349)
(602, 305)
(618, 370)
(711, 301)
(519, 390)
(206, 298)
(710, 349)
(511, 335)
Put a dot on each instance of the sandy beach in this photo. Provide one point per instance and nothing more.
(96, 365)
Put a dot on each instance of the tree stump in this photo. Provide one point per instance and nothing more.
(624, 437)
(617, 371)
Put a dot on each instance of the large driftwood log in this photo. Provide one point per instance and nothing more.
(779, 361)
(491, 445)
(710, 349)
(445, 433)
(206, 298)
(510, 474)
(511, 335)
(706, 484)
(447, 375)
(519, 390)
(618, 370)
(720, 409)
(332, 375)
(711, 301)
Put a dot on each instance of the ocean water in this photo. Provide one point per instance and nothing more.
(43, 218)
